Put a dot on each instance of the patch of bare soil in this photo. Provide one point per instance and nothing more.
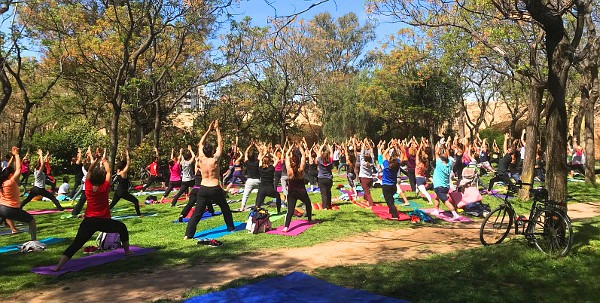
(373, 247)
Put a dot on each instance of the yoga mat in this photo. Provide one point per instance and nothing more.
(319, 206)
(15, 247)
(349, 192)
(123, 217)
(501, 196)
(383, 212)
(219, 231)
(7, 232)
(142, 193)
(169, 200)
(296, 227)
(293, 288)
(361, 204)
(46, 211)
(205, 216)
(91, 260)
(447, 216)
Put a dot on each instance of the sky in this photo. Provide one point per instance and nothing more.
(260, 12)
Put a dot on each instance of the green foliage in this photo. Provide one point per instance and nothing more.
(63, 143)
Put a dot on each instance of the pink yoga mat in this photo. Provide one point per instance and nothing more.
(296, 227)
(447, 216)
(383, 212)
(46, 211)
(91, 260)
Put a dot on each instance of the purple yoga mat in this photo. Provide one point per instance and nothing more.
(91, 260)
(45, 211)
(447, 216)
(296, 227)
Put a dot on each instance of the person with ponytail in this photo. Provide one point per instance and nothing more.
(39, 184)
(391, 166)
(422, 161)
(10, 208)
(295, 163)
(366, 170)
(325, 175)
(441, 180)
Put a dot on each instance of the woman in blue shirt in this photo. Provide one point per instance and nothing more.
(391, 165)
(441, 180)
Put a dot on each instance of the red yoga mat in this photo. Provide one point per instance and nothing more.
(383, 212)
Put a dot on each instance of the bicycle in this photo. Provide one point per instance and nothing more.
(548, 227)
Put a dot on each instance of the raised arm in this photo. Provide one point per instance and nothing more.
(41, 159)
(246, 152)
(189, 147)
(17, 173)
(523, 137)
(505, 144)
(302, 159)
(219, 141)
(126, 168)
(78, 156)
(203, 139)
(106, 166)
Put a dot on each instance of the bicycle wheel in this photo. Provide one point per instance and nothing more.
(496, 226)
(551, 232)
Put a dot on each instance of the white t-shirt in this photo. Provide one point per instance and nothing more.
(336, 155)
(64, 189)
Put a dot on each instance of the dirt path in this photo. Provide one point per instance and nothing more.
(374, 247)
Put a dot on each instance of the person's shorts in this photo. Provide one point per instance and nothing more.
(15, 214)
(420, 180)
(441, 193)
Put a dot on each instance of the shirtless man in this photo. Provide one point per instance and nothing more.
(210, 191)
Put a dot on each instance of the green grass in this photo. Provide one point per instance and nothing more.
(159, 232)
(509, 272)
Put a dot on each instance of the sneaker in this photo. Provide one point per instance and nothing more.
(214, 243)
(435, 212)
(455, 218)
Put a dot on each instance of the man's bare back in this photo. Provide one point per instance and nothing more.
(209, 167)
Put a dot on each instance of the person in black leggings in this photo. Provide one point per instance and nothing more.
(39, 184)
(503, 164)
(97, 214)
(266, 173)
(295, 170)
(122, 190)
(325, 176)
(193, 196)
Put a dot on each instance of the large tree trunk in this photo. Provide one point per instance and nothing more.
(157, 125)
(556, 113)
(590, 157)
(6, 86)
(578, 119)
(23, 126)
(534, 105)
(114, 135)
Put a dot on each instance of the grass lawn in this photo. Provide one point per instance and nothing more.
(159, 232)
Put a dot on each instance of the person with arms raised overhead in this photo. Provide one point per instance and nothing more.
(210, 191)
(97, 213)
(122, 191)
(39, 184)
(10, 209)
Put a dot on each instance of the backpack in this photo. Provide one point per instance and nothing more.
(477, 209)
(418, 215)
(258, 221)
(108, 241)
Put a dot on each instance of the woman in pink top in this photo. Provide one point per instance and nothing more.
(175, 172)
(10, 206)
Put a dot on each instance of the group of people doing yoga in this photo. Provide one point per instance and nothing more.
(293, 164)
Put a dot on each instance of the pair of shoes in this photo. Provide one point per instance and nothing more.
(210, 242)
(89, 250)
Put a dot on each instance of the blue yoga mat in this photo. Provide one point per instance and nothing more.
(293, 288)
(219, 231)
(15, 247)
(205, 216)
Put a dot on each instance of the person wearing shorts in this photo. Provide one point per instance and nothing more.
(10, 208)
(441, 180)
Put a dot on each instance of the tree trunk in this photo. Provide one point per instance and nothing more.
(157, 124)
(556, 113)
(534, 105)
(578, 119)
(114, 135)
(590, 157)
(23, 126)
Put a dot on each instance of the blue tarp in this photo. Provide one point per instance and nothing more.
(293, 288)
